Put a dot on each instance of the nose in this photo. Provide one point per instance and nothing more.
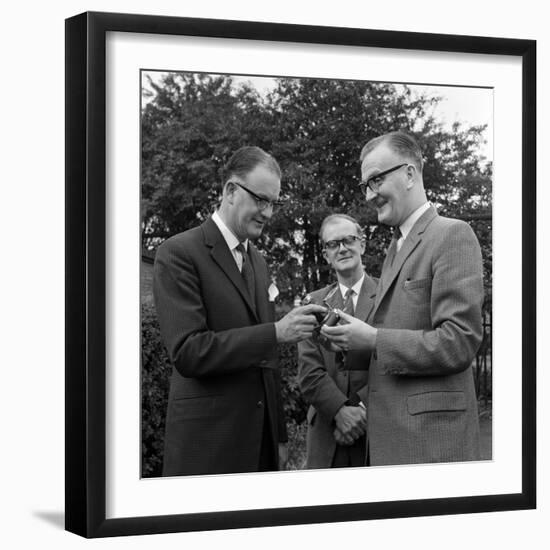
(267, 212)
(341, 245)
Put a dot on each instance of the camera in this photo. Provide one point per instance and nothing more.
(330, 318)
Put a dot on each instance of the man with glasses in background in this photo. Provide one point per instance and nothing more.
(425, 327)
(335, 384)
(211, 290)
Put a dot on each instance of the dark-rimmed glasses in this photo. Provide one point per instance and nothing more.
(374, 182)
(261, 202)
(347, 241)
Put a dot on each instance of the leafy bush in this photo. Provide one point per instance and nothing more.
(296, 445)
(294, 405)
(155, 379)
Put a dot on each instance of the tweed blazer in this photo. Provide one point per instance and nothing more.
(421, 401)
(224, 351)
(325, 385)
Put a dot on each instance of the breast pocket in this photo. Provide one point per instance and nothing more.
(417, 284)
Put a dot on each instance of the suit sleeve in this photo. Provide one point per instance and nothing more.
(316, 384)
(193, 348)
(455, 300)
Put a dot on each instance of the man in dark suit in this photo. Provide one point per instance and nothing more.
(329, 381)
(211, 294)
(425, 327)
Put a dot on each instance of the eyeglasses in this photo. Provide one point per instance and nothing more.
(374, 182)
(347, 241)
(261, 202)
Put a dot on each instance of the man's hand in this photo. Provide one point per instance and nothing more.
(342, 439)
(354, 334)
(283, 456)
(298, 324)
(351, 421)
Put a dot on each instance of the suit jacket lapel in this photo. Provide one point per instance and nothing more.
(365, 300)
(261, 284)
(224, 258)
(334, 298)
(390, 272)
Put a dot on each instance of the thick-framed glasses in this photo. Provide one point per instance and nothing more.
(374, 182)
(347, 241)
(261, 202)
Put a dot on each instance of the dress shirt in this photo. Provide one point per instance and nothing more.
(356, 289)
(407, 225)
(230, 239)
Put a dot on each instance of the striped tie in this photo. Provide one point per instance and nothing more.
(348, 302)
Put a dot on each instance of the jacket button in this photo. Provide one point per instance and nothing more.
(260, 404)
(263, 362)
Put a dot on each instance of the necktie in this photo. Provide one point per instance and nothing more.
(348, 302)
(247, 272)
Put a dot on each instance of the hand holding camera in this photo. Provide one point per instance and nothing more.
(350, 334)
(329, 317)
(299, 323)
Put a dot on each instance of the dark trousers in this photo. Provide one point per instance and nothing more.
(267, 452)
(350, 455)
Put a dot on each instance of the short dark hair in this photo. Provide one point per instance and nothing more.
(333, 217)
(401, 142)
(245, 159)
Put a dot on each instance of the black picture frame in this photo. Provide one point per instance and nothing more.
(86, 273)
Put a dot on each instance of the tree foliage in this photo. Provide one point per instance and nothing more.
(315, 129)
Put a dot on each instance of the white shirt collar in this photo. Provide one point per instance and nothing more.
(356, 288)
(228, 235)
(407, 225)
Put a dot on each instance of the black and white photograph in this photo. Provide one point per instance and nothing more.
(316, 273)
(275, 275)
(301, 275)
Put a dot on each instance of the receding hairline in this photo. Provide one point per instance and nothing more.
(372, 145)
(401, 143)
(332, 218)
(246, 159)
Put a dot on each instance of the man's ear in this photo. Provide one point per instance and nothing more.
(229, 191)
(325, 256)
(411, 175)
